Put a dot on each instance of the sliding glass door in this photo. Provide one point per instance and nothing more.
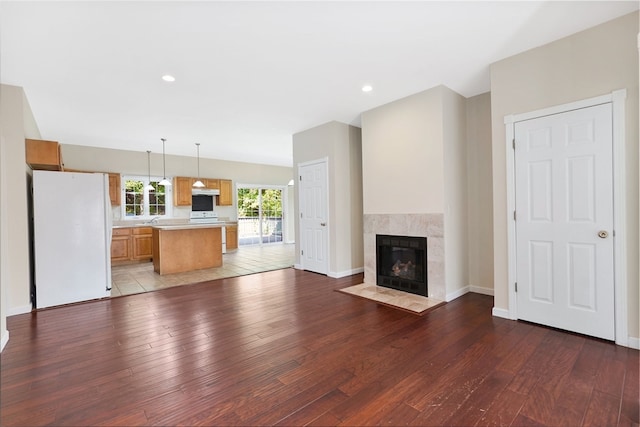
(259, 215)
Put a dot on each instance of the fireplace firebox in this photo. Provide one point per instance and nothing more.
(401, 263)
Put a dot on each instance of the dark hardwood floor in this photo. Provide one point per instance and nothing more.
(282, 348)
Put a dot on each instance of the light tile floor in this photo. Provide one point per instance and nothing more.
(138, 278)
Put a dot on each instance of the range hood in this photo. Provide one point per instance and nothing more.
(205, 191)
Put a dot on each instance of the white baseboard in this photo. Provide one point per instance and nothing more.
(19, 310)
(501, 312)
(5, 340)
(339, 274)
(298, 266)
(481, 290)
(634, 343)
(456, 294)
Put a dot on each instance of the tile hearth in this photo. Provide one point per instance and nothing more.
(398, 299)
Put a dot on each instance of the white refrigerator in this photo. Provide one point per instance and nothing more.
(72, 237)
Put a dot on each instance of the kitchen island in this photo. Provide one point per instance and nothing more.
(186, 247)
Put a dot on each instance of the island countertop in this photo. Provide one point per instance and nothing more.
(189, 226)
(176, 225)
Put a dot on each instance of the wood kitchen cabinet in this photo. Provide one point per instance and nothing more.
(232, 237)
(120, 245)
(142, 242)
(182, 190)
(43, 155)
(183, 186)
(211, 184)
(131, 244)
(226, 193)
(114, 189)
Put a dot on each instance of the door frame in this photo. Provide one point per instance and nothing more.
(617, 99)
(285, 202)
(300, 239)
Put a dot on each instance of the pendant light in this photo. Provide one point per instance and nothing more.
(164, 181)
(198, 183)
(149, 187)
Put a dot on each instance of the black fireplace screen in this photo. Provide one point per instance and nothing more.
(402, 263)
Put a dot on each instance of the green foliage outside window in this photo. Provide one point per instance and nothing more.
(135, 199)
(249, 202)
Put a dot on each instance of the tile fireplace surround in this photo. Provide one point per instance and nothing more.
(430, 226)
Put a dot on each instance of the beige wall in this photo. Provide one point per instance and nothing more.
(341, 145)
(479, 192)
(17, 123)
(135, 163)
(454, 125)
(587, 64)
(402, 161)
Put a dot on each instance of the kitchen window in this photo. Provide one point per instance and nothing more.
(140, 202)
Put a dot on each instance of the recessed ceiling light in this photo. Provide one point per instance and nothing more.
(367, 88)
(168, 78)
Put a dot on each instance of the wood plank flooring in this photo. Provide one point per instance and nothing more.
(282, 348)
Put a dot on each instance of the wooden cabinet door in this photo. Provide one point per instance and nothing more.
(45, 155)
(232, 237)
(121, 245)
(182, 191)
(211, 184)
(226, 193)
(142, 243)
(114, 189)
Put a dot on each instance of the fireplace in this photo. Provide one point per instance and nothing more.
(401, 263)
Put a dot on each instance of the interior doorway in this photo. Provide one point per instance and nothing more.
(564, 224)
(260, 215)
(615, 234)
(314, 252)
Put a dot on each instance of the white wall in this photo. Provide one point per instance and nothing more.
(587, 64)
(17, 124)
(479, 193)
(341, 144)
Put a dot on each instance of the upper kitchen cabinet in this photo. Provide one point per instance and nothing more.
(182, 191)
(183, 186)
(211, 184)
(226, 193)
(45, 155)
(114, 189)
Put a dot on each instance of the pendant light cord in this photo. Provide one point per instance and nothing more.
(164, 167)
(198, 145)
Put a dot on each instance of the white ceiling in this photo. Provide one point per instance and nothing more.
(251, 74)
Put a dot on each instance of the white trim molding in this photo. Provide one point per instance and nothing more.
(4, 341)
(20, 310)
(339, 274)
(481, 290)
(634, 343)
(617, 99)
(501, 312)
(456, 294)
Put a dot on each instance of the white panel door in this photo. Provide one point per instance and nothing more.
(564, 223)
(313, 217)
